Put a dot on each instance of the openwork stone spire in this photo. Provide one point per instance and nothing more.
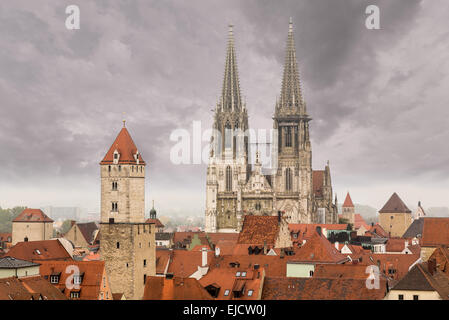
(230, 98)
(291, 100)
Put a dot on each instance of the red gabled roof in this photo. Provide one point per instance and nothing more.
(318, 250)
(32, 215)
(92, 272)
(29, 288)
(125, 146)
(348, 202)
(39, 251)
(359, 221)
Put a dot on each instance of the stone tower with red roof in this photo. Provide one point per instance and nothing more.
(31, 225)
(127, 243)
(395, 217)
(348, 209)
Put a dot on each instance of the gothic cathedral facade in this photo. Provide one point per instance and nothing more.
(235, 188)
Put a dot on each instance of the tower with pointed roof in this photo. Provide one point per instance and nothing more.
(348, 209)
(395, 217)
(303, 194)
(228, 161)
(127, 244)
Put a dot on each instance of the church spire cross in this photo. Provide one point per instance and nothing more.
(291, 95)
(231, 99)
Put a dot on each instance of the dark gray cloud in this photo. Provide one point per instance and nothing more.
(378, 97)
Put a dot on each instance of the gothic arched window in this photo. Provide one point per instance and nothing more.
(288, 179)
(228, 178)
(228, 135)
(288, 136)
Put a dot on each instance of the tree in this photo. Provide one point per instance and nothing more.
(7, 216)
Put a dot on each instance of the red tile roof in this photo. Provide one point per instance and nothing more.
(274, 266)
(359, 222)
(125, 146)
(241, 279)
(163, 257)
(435, 232)
(39, 251)
(157, 223)
(259, 229)
(320, 289)
(318, 250)
(348, 202)
(184, 263)
(377, 230)
(399, 262)
(160, 288)
(92, 281)
(29, 288)
(395, 205)
(341, 271)
(32, 215)
(303, 231)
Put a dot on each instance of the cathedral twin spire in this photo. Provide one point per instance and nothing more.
(230, 98)
(291, 100)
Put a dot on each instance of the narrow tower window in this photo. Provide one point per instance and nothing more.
(288, 179)
(228, 178)
(228, 136)
(288, 136)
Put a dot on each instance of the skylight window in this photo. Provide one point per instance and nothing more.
(250, 293)
(244, 274)
(226, 293)
(37, 251)
(237, 274)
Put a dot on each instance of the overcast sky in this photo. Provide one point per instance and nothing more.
(379, 99)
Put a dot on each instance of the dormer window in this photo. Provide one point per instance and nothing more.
(116, 157)
(54, 278)
(77, 279)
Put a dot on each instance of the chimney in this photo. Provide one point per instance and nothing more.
(204, 257)
(432, 266)
(265, 249)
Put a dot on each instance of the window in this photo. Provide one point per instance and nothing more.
(250, 293)
(288, 136)
(38, 252)
(144, 262)
(118, 245)
(228, 136)
(114, 207)
(226, 293)
(144, 278)
(311, 273)
(54, 279)
(119, 168)
(104, 280)
(401, 297)
(74, 294)
(77, 279)
(101, 295)
(228, 178)
(288, 179)
(415, 297)
(237, 274)
(114, 185)
(109, 168)
(244, 274)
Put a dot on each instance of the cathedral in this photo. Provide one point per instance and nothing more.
(235, 187)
